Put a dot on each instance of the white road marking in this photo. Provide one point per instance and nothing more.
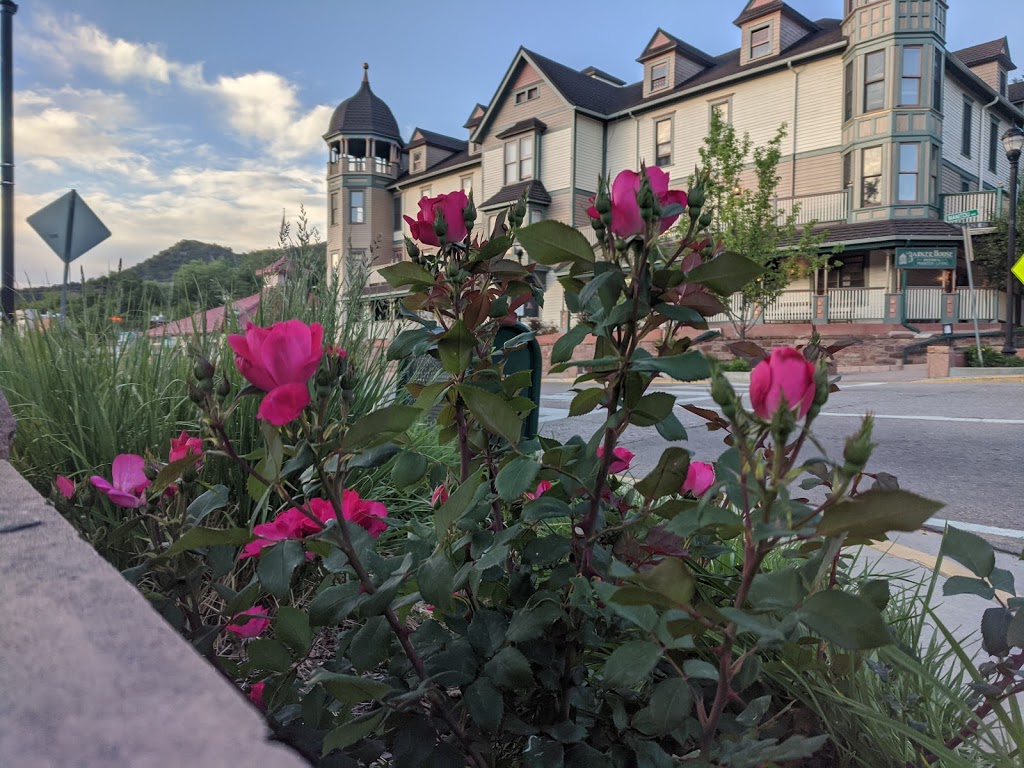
(1006, 533)
(904, 417)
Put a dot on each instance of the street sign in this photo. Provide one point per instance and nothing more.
(1018, 268)
(69, 226)
(926, 258)
(952, 218)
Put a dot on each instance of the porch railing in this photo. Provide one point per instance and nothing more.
(991, 305)
(853, 304)
(923, 304)
(826, 207)
(989, 204)
(790, 307)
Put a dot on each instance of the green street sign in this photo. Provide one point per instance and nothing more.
(925, 258)
(1018, 268)
(952, 218)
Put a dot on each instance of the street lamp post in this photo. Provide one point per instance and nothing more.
(1013, 142)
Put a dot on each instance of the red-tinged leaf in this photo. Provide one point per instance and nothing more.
(703, 301)
(842, 344)
(747, 350)
(705, 413)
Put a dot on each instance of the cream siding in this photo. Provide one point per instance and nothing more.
(952, 126)
(989, 72)
(493, 170)
(819, 106)
(589, 153)
(818, 174)
(551, 313)
(621, 146)
(555, 159)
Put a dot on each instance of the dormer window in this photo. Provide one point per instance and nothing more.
(417, 161)
(527, 94)
(1002, 82)
(760, 41)
(659, 76)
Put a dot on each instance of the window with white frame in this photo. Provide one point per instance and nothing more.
(519, 159)
(910, 80)
(425, 192)
(871, 176)
(663, 142)
(723, 108)
(659, 75)
(356, 206)
(906, 189)
(334, 208)
(527, 94)
(417, 160)
(874, 81)
(760, 41)
(467, 184)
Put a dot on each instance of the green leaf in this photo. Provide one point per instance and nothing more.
(1015, 632)
(652, 409)
(995, 626)
(601, 287)
(689, 366)
(291, 627)
(170, 474)
(379, 426)
(486, 632)
(409, 468)
(965, 585)
(668, 477)
(371, 645)
(209, 501)
(563, 348)
(970, 550)
(648, 754)
(671, 578)
(780, 590)
(1002, 579)
(518, 341)
(199, 538)
(335, 604)
(350, 689)
(352, 732)
(435, 578)
(277, 564)
(686, 315)
(671, 428)
(374, 457)
(510, 669)
(407, 341)
(269, 655)
(543, 753)
(698, 669)
(586, 400)
(458, 503)
(517, 477)
(848, 620)
(876, 512)
(670, 706)
(406, 273)
(528, 623)
(551, 243)
(546, 507)
(725, 274)
(456, 348)
(492, 412)
(877, 592)
(485, 703)
(755, 710)
(631, 664)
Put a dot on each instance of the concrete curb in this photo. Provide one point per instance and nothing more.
(91, 675)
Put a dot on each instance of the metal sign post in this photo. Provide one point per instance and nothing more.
(70, 228)
(969, 258)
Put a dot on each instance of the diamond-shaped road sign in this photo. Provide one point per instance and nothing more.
(1018, 268)
(69, 226)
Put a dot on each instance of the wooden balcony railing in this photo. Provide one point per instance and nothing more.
(824, 208)
(990, 205)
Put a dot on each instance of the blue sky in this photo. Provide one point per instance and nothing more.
(203, 119)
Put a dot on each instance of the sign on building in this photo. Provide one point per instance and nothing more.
(926, 258)
(953, 218)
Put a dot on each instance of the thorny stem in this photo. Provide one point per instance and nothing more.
(985, 709)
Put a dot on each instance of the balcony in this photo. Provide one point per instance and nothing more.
(374, 165)
(990, 206)
(824, 208)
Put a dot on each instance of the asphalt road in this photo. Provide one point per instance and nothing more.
(959, 443)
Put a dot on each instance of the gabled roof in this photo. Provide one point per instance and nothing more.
(967, 77)
(577, 88)
(211, 320)
(600, 73)
(755, 9)
(279, 267)
(529, 124)
(662, 41)
(463, 158)
(434, 139)
(535, 193)
(1016, 92)
(475, 116)
(993, 50)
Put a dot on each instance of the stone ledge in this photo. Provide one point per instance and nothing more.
(91, 675)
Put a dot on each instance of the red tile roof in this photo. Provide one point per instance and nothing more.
(210, 320)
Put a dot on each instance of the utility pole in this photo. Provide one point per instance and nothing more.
(7, 11)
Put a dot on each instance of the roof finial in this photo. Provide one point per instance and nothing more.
(366, 72)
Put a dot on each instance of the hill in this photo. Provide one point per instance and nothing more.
(161, 267)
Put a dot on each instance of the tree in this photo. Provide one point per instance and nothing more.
(990, 251)
(748, 222)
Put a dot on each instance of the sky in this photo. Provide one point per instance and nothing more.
(203, 119)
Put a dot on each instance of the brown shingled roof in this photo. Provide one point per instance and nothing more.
(984, 52)
(531, 123)
(1015, 92)
(535, 193)
(890, 230)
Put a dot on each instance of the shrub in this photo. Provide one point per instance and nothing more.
(992, 358)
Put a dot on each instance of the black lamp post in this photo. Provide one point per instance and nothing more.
(1013, 142)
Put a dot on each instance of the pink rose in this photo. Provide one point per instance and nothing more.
(699, 477)
(439, 496)
(620, 461)
(290, 524)
(542, 487)
(183, 445)
(785, 376)
(451, 206)
(364, 513)
(280, 360)
(250, 623)
(256, 694)
(129, 481)
(626, 218)
(65, 487)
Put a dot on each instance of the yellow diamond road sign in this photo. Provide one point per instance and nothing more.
(1018, 268)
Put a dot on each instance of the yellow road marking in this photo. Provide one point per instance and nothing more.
(949, 567)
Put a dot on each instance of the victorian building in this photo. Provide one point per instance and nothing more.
(889, 135)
